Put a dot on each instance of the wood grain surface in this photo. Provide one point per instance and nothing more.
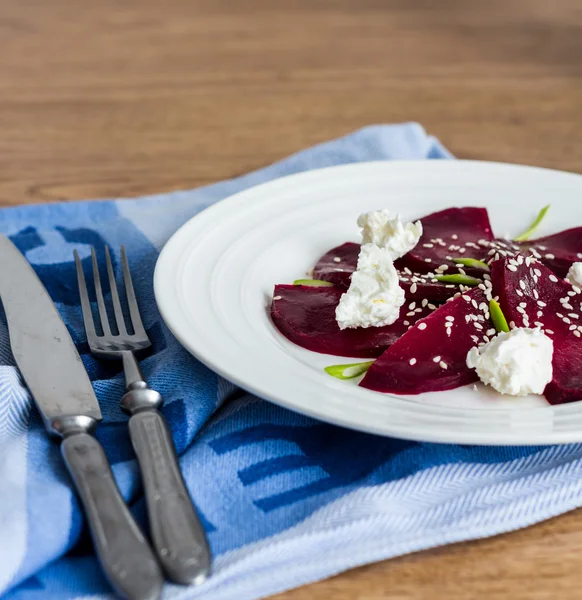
(122, 98)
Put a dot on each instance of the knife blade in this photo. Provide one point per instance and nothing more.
(42, 346)
(54, 373)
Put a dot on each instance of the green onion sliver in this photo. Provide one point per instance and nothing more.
(313, 282)
(497, 316)
(526, 234)
(348, 371)
(472, 262)
(459, 279)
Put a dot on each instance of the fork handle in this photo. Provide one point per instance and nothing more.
(124, 553)
(178, 535)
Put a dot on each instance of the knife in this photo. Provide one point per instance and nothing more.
(55, 375)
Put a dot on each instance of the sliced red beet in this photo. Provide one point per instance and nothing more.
(416, 362)
(558, 251)
(337, 265)
(453, 233)
(306, 316)
(557, 308)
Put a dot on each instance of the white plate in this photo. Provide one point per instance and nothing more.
(215, 277)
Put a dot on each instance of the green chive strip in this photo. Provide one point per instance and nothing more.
(472, 262)
(348, 371)
(459, 279)
(527, 234)
(497, 316)
(313, 282)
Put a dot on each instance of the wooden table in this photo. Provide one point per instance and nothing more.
(115, 98)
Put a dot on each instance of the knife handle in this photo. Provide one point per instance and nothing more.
(178, 535)
(126, 558)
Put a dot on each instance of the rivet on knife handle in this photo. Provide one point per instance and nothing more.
(177, 533)
(125, 554)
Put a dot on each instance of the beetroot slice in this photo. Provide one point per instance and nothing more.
(454, 232)
(520, 286)
(558, 251)
(306, 316)
(339, 271)
(428, 347)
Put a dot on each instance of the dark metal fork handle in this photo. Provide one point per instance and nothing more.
(126, 557)
(177, 533)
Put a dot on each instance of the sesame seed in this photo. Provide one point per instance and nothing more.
(337, 259)
(461, 250)
(577, 333)
(412, 361)
(522, 284)
(475, 338)
(428, 245)
(432, 306)
(413, 288)
(566, 320)
(568, 306)
(410, 314)
(491, 252)
(449, 257)
(480, 318)
(466, 298)
(574, 315)
(481, 287)
(521, 310)
(538, 272)
(553, 278)
(560, 315)
(340, 270)
(490, 332)
(572, 327)
(576, 289)
(436, 359)
(542, 247)
(538, 324)
(482, 306)
(461, 271)
(455, 236)
(535, 252)
(524, 304)
(571, 294)
(406, 322)
(474, 303)
(496, 257)
(550, 256)
(541, 303)
(444, 267)
(449, 285)
(528, 261)
(411, 306)
(478, 325)
(467, 318)
(448, 331)
(427, 260)
(539, 313)
(443, 364)
(450, 318)
(422, 325)
(424, 302)
(485, 339)
(276, 297)
(536, 295)
(519, 293)
(407, 271)
(417, 310)
(487, 277)
(549, 331)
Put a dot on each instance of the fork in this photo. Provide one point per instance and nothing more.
(178, 535)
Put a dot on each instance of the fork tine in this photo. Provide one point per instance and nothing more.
(115, 295)
(99, 294)
(138, 327)
(85, 303)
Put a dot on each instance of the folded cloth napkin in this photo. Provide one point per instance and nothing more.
(285, 499)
